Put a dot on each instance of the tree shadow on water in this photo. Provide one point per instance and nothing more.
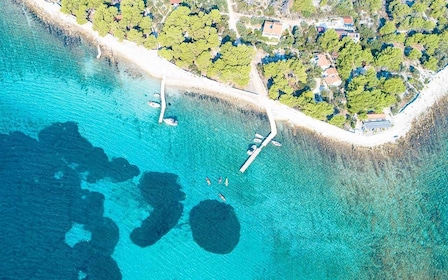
(41, 198)
(164, 194)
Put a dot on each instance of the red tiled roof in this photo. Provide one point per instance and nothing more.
(333, 80)
(175, 2)
(348, 20)
(272, 28)
(331, 71)
(376, 116)
(322, 60)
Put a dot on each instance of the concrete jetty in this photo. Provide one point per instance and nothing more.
(265, 142)
(162, 98)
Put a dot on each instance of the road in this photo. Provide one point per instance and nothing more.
(232, 18)
(256, 83)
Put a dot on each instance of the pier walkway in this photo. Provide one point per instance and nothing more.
(265, 142)
(162, 98)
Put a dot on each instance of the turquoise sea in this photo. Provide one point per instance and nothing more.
(92, 187)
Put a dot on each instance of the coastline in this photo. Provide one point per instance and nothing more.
(155, 66)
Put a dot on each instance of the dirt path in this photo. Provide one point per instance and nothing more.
(232, 18)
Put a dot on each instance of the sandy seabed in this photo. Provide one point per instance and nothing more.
(157, 67)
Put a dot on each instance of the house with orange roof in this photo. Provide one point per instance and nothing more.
(348, 22)
(331, 77)
(344, 27)
(272, 29)
(333, 81)
(376, 117)
(322, 61)
(331, 72)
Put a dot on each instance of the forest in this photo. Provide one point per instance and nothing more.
(400, 43)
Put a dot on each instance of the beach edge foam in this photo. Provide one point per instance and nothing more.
(157, 67)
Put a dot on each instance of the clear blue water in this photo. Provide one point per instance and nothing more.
(306, 210)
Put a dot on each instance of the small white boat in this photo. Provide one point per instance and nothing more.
(223, 198)
(156, 95)
(257, 140)
(276, 143)
(154, 104)
(252, 149)
(170, 121)
(259, 136)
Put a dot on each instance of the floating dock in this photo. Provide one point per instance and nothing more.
(265, 142)
(162, 98)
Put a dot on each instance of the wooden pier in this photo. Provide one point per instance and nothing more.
(265, 142)
(162, 98)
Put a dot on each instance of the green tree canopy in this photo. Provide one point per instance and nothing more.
(389, 58)
(329, 41)
(233, 65)
(81, 14)
(399, 9)
(286, 76)
(414, 54)
(363, 101)
(351, 56)
(132, 12)
(150, 42)
(191, 37)
(419, 7)
(146, 25)
(363, 94)
(135, 36)
(438, 10)
(71, 6)
(430, 63)
(304, 6)
(431, 42)
(393, 86)
(368, 81)
(103, 18)
(388, 28)
(338, 120)
(371, 6)
(320, 110)
(306, 103)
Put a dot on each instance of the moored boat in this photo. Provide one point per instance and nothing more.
(220, 180)
(208, 181)
(252, 149)
(154, 104)
(226, 182)
(276, 143)
(257, 140)
(223, 198)
(170, 121)
(259, 136)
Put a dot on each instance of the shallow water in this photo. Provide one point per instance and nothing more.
(306, 210)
